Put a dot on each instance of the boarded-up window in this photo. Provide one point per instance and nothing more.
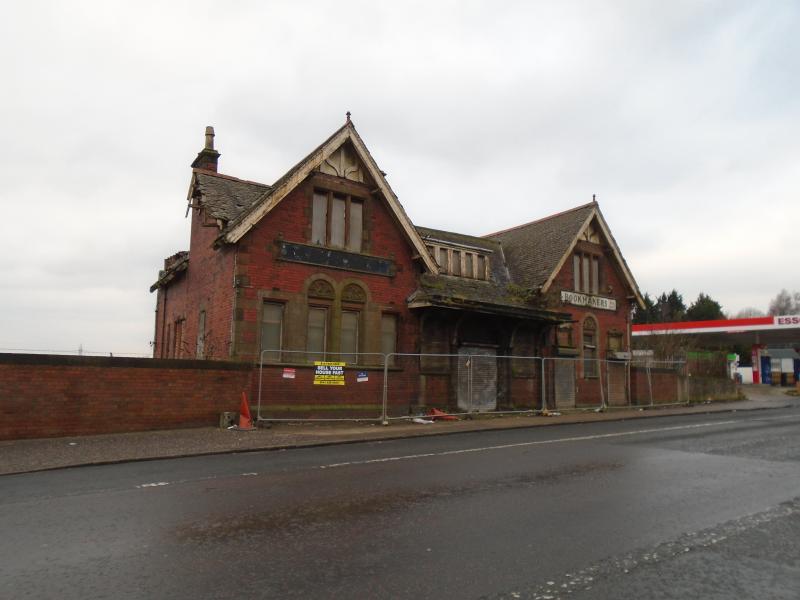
(272, 331)
(586, 286)
(615, 342)
(337, 220)
(524, 345)
(201, 335)
(319, 222)
(176, 351)
(389, 334)
(349, 338)
(564, 335)
(469, 268)
(356, 226)
(316, 333)
(586, 273)
(456, 267)
(590, 366)
(481, 269)
(433, 342)
(166, 343)
(338, 212)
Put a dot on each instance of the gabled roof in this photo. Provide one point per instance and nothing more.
(223, 196)
(251, 215)
(536, 251)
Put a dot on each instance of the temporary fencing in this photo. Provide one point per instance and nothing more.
(477, 381)
(298, 385)
(304, 386)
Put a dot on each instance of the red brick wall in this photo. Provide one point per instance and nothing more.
(607, 321)
(52, 396)
(300, 397)
(265, 275)
(206, 285)
(665, 386)
(526, 392)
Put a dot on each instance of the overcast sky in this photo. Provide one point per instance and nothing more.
(683, 118)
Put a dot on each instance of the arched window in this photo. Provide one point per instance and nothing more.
(590, 366)
(320, 297)
(353, 299)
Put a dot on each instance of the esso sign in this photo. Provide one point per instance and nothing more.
(792, 320)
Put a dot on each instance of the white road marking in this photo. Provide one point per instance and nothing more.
(582, 438)
(155, 484)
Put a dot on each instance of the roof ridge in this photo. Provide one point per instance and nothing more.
(542, 219)
(229, 177)
(469, 235)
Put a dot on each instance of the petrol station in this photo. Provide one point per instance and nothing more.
(774, 342)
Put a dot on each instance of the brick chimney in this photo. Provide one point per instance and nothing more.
(207, 158)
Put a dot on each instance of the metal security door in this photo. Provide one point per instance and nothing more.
(616, 384)
(564, 382)
(477, 379)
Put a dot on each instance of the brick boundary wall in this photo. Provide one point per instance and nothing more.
(51, 396)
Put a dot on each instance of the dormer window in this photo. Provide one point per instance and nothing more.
(460, 262)
(337, 220)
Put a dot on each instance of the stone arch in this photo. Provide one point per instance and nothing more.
(321, 288)
(354, 293)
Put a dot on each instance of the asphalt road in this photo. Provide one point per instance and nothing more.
(706, 506)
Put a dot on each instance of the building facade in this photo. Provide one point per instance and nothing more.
(325, 265)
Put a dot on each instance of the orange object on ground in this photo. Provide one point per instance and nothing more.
(435, 414)
(245, 421)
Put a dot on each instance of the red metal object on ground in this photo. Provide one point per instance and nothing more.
(436, 414)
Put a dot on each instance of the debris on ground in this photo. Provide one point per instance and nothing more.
(438, 415)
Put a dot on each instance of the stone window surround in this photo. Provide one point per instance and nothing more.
(594, 347)
(343, 299)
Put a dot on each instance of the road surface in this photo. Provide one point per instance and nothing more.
(704, 506)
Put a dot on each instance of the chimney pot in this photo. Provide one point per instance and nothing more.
(209, 138)
(208, 158)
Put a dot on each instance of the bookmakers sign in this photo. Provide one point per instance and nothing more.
(328, 373)
(590, 301)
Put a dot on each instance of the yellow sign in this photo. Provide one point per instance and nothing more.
(328, 373)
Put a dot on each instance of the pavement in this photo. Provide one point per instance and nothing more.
(24, 456)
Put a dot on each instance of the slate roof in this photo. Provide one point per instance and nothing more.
(173, 266)
(497, 295)
(533, 251)
(226, 197)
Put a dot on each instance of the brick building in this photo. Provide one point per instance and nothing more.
(324, 264)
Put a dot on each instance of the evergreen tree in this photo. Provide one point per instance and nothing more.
(704, 309)
(670, 307)
(646, 314)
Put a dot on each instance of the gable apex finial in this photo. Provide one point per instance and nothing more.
(347, 114)
(594, 198)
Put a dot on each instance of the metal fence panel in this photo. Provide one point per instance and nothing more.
(292, 388)
(477, 379)
(371, 386)
(564, 381)
(617, 383)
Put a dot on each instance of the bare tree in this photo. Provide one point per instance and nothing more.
(749, 312)
(785, 303)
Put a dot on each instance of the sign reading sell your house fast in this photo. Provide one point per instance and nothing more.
(590, 301)
(328, 373)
